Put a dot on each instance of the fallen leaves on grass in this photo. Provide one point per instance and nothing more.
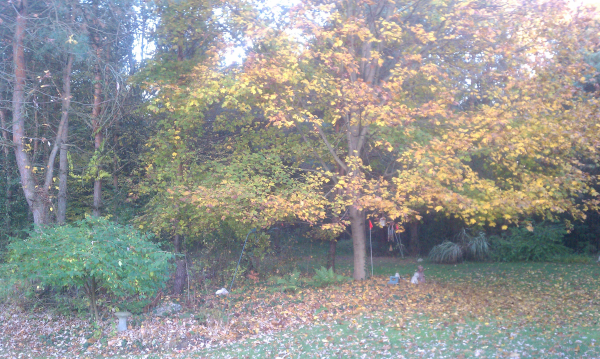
(507, 300)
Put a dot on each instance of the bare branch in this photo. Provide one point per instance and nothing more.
(330, 148)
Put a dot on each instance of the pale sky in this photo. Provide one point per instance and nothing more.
(236, 54)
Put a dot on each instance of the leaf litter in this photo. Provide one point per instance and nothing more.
(473, 315)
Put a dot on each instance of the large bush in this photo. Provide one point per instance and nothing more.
(91, 254)
(544, 243)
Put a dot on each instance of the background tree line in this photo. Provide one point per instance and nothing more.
(483, 114)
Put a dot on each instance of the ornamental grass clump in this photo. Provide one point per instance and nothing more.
(475, 247)
(91, 254)
(447, 252)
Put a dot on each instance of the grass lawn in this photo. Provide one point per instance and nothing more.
(372, 337)
(487, 310)
(513, 310)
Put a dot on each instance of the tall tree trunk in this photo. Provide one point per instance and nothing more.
(356, 137)
(36, 197)
(331, 254)
(63, 172)
(61, 212)
(414, 238)
(359, 243)
(6, 165)
(115, 175)
(180, 271)
(97, 131)
(277, 241)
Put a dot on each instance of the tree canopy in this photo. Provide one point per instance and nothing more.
(339, 111)
(474, 109)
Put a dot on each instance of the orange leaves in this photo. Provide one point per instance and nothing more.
(468, 111)
(422, 35)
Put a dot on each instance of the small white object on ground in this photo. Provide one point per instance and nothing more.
(415, 278)
(222, 291)
(397, 275)
(420, 260)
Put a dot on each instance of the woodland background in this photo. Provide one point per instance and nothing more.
(452, 120)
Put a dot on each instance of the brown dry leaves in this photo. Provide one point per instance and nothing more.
(261, 312)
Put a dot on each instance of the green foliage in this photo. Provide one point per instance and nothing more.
(324, 277)
(288, 283)
(93, 253)
(11, 288)
(135, 306)
(543, 244)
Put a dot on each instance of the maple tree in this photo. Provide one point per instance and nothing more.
(188, 35)
(471, 108)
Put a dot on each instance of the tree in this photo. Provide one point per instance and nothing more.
(36, 190)
(427, 106)
(188, 35)
(111, 27)
(48, 47)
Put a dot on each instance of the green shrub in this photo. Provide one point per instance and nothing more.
(134, 306)
(543, 244)
(287, 283)
(324, 277)
(12, 289)
(91, 254)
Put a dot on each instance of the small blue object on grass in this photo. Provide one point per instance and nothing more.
(393, 280)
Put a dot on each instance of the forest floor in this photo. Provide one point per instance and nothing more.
(487, 310)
